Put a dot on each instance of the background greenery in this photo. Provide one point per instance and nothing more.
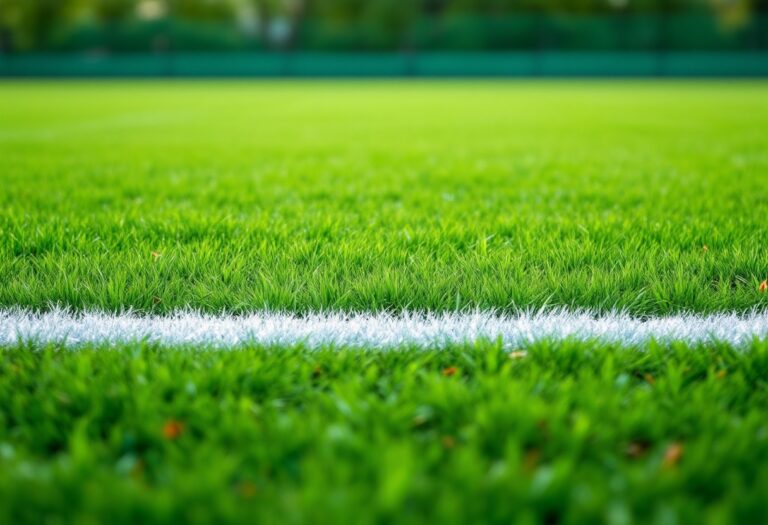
(103, 26)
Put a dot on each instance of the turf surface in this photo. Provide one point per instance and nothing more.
(355, 196)
(567, 433)
(644, 196)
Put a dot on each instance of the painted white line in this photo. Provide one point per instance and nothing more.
(378, 330)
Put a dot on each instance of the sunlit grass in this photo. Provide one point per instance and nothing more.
(643, 196)
(649, 197)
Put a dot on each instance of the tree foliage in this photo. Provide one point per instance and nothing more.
(57, 24)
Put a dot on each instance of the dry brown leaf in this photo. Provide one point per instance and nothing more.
(137, 471)
(673, 455)
(448, 442)
(531, 459)
(450, 371)
(637, 449)
(172, 429)
(246, 489)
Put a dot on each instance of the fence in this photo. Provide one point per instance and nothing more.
(691, 44)
(519, 64)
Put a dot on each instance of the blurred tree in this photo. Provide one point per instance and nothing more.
(27, 25)
(31, 22)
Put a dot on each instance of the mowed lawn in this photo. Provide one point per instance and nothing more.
(562, 433)
(646, 197)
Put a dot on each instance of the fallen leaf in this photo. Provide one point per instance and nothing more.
(448, 442)
(450, 371)
(156, 255)
(246, 489)
(763, 286)
(673, 455)
(517, 354)
(531, 459)
(137, 471)
(172, 429)
(637, 449)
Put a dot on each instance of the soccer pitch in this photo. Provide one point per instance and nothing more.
(366, 302)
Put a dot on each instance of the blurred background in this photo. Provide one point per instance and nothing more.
(383, 37)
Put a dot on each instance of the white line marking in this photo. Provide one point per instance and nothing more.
(378, 330)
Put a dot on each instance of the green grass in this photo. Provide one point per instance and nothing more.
(384, 196)
(569, 433)
(645, 196)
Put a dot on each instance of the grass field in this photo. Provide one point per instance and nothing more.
(568, 433)
(357, 196)
(236, 197)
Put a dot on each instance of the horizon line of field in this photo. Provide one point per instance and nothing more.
(374, 330)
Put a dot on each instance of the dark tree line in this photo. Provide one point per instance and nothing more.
(116, 24)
